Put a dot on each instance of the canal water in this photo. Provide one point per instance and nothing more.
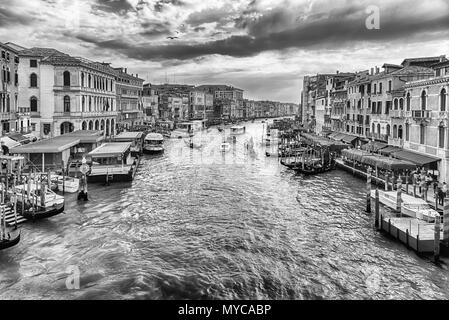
(197, 224)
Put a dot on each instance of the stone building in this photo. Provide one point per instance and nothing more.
(66, 93)
(12, 117)
(129, 89)
(426, 119)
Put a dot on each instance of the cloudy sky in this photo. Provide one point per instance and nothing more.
(262, 46)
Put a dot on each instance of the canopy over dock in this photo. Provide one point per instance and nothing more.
(110, 150)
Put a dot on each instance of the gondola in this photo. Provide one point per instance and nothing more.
(40, 213)
(5, 244)
(313, 169)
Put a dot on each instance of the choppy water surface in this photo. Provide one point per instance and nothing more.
(200, 225)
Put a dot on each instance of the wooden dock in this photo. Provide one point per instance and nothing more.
(414, 233)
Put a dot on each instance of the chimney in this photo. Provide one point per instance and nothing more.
(126, 70)
(377, 70)
(372, 71)
(338, 72)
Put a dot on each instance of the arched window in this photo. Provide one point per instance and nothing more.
(423, 101)
(388, 130)
(407, 132)
(89, 79)
(373, 128)
(83, 104)
(408, 101)
(441, 136)
(66, 79)
(395, 131)
(33, 104)
(90, 104)
(33, 80)
(66, 104)
(396, 104)
(443, 100)
(82, 79)
(401, 104)
(378, 128)
(400, 134)
(84, 126)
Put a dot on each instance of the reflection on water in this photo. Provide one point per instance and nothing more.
(200, 224)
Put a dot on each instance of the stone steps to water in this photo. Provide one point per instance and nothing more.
(10, 218)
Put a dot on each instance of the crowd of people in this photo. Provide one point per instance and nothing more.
(428, 181)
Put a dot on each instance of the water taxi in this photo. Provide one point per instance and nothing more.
(237, 130)
(112, 162)
(136, 139)
(187, 129)
(154, 143)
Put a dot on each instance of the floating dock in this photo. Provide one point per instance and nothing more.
(414, 233)
(10, 219)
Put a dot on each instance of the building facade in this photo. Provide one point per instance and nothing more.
(13, 118)
(129, 89)
(426, 117)
(65, 93)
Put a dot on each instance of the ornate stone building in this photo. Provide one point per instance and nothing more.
(66, 93)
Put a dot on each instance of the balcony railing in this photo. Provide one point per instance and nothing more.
(396, 142)
(421, 114)
(86, 114)
(397, 113)
(442, 115)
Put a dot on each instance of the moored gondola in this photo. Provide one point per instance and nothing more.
(8, 243)
(40, 213)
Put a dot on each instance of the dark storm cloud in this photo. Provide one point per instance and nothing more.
(113, 6)
(10, 18)
(151, 29)
(339, 28)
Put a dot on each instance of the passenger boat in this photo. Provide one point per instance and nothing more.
(315, 168)
(68, 184)
(38, 205)
(8, 243)
(419, 209)
(186, 129)
(237, 130)
(154, 143)
(112, 162)
(136, 140)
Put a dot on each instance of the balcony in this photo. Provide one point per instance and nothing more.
(397, 114)
(85, 114)
(396, 142)
(419, 115)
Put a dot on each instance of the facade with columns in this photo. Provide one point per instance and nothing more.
(427, 117)
(66, 94)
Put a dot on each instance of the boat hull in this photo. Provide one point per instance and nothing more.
(112, 178)
(6, 244)
(153, 150)
(43, 213)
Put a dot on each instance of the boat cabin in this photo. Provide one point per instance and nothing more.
(154, 143)
(112, 162)
(136, 139)
(238, 130)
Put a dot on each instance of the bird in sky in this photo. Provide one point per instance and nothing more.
(172, 38)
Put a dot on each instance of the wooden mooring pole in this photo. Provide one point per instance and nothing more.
(436, 252)
(368, 190)
(376, 208)
(446, 221)
(399, 196)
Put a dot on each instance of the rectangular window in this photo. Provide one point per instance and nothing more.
(33, 63)
(441, 132)
(422, 135)
(380, 88)
(389, 86)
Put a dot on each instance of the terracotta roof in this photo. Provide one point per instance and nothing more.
(40, 52)
(423, 59)
(412, 70)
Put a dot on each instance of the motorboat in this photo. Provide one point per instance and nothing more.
(225, 147)
(112, 162)
(238, 130)
(154, 143)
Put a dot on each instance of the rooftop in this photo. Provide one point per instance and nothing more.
(110, 149)
(52, 145)
(129, 136)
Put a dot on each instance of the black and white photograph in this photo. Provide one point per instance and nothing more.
(227, 150)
